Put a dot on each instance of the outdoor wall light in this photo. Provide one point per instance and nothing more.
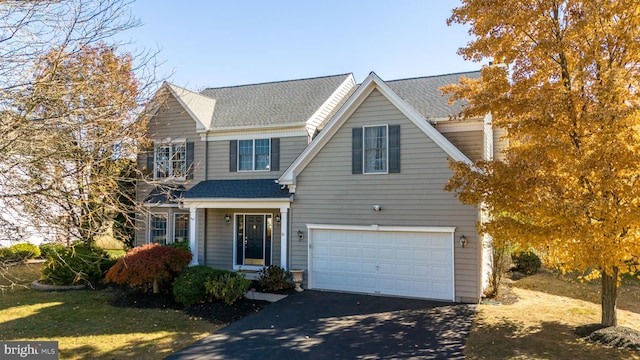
(227, 219)
(300, 235)
(463, 241)
(377, 208)
(277, 219)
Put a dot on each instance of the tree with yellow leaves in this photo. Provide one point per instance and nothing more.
(565, 85)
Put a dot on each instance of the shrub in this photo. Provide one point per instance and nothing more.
(275, 278)
(24, 251)
(81, 263)
(189, 288)
(526, 262)
(500, 262)
(151, 265)
(51, 250)
(180, 245)
(7, 254)
(228, 288)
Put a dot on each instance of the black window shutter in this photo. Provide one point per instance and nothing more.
(190, 156)
(394, 148)
(356, 150)
(233, 155)
(150, 159)
(275, 154)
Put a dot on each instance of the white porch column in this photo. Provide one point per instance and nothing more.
(193, 235)
(284, 234)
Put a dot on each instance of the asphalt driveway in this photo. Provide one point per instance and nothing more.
(328, 325)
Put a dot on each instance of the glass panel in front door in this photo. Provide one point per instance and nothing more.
(254, 232)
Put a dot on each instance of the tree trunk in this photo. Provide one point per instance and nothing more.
(609, 298)
(156, 287)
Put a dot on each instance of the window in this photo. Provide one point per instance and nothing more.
(170, 160)
(158, 229)
(181, 228)
(254, 155)
(375, 149)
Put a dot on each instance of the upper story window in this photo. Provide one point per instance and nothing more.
(375, 149)
(254, 155)
(376, 144)
(171, 159)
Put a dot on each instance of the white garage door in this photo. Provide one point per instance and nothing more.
(383, 261)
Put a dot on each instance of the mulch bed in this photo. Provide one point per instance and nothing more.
(214, 312)
(615, 336)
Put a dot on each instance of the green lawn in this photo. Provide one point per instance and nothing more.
(87, 326)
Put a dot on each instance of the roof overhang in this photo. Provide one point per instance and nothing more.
(234, 203)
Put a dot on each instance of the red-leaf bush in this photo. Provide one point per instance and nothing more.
(149, 265)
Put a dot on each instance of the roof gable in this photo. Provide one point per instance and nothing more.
(200, 108)
(371, 83)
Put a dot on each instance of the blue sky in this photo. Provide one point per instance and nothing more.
(234, 42)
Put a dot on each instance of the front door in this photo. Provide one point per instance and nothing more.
(253, 239)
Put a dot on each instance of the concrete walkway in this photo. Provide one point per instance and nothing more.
(328, 325)
(255, 295)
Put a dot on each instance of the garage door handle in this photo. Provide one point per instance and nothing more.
(377, 267)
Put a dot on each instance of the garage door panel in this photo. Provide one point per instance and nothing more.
(369, 252)
(352, 266)
(441, 272)
(352, 251)
(415, 264)
(404, 270)
(369, 267)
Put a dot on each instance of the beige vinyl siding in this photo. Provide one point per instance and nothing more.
(328, 193)
(219, 240)
(469, 142)
(290, 148)
(499, 143)
(171, 121)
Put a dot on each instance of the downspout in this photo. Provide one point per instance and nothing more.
(204, 243)
(206, 177)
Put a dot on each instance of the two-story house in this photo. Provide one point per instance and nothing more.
(340, 179)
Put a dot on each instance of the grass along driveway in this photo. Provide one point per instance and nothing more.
(88, 327)
(541, 324)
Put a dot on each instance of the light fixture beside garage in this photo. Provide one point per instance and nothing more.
(463, 241)
(377, 207)
(300, 235)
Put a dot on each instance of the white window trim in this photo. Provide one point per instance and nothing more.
(253, 155)
(364, 150)
(173, 231)
(150, 227)
(235, 241)
(165, 142)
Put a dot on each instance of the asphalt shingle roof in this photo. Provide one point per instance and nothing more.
(164, 194)
(238, 189)
(274, 103)
(423, 95)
